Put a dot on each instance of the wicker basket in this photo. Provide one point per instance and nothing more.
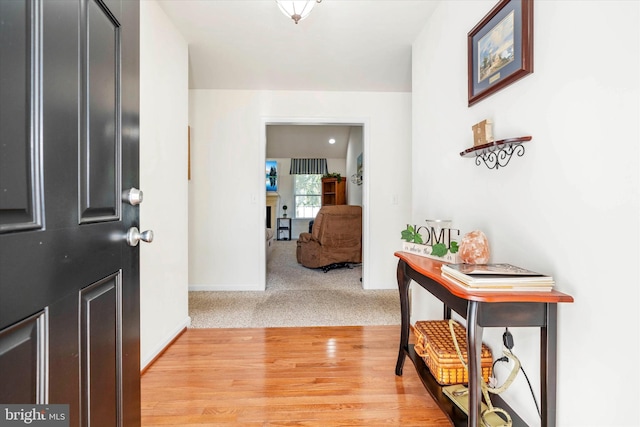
(435, 345)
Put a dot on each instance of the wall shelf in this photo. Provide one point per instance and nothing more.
(497, 154)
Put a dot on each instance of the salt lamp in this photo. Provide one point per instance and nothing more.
(474, 248)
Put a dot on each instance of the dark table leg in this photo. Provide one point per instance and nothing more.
(403, 286)
(447, 312)
(474, 346)
(548, 366)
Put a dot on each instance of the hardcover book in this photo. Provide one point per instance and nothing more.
(503, 287)
(496, 275)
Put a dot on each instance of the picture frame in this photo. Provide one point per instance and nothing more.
(271, 175)
(500, 48)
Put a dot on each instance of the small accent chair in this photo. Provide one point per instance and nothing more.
(336, 238)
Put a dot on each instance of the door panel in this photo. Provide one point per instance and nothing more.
(23, 361)
(20, 205)
(72, 69)
(100, 166)
(100, 332)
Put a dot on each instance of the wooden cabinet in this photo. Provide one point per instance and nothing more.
(333, 192)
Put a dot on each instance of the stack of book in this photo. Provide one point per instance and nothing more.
(496, 278)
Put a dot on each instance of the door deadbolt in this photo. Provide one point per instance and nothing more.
(133, 196)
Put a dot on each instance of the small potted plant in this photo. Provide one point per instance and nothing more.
(333, 175)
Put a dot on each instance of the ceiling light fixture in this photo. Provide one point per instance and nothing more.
(332, 141)
(297, 9)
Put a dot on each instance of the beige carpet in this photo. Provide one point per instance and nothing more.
(297, 296)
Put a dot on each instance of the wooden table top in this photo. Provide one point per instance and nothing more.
(431, 268)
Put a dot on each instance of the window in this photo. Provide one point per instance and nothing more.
(306, 195)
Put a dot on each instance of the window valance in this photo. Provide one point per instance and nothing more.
(308, 167)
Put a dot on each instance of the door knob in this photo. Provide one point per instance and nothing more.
(133, 196)
(134, 236)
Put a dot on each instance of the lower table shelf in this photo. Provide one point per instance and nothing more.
(284, 229)
(457, 417)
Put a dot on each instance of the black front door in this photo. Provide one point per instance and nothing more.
(69, 282)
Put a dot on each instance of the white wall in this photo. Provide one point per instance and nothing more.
(163, 179)
(226, 212)
(568, 207)
(354, 149)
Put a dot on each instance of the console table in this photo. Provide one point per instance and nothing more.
(481, 309)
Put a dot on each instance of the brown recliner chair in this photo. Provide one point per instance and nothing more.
(335, 240)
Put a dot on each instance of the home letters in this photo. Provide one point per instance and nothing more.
(432, 236)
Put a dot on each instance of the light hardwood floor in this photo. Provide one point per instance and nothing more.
(322, 376)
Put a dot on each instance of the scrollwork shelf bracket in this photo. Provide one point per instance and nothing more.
(497, 154)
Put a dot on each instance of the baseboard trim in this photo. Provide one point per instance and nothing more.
(160, 349)
(223, 287)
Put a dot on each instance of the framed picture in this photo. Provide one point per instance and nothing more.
(271, 175)
(500, 48)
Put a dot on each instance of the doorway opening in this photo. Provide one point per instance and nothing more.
(284, 139)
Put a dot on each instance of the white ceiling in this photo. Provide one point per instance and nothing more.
(307, 141)
(344, 45)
